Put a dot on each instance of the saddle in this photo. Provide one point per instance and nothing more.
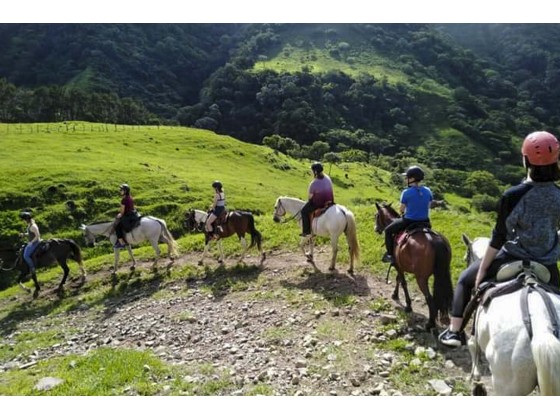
(318, 212)
(510, 278)
(425, 227)
(131, 221)
(221, 220)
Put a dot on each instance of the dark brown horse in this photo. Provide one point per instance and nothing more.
(423, 253)
(48, 253)
(236, 223)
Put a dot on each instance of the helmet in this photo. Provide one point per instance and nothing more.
(125, 188)
(415, 172)
(216, 184)
(317, 167)
(25, 215)
(541, 148)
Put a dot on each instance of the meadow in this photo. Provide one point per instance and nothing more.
(69, 173)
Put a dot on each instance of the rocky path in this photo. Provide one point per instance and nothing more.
(280, 325)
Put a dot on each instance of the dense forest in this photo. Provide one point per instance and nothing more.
(457, 98)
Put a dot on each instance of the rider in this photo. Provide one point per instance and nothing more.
(33, 237)
(525, 229)
(126, 215)
(218, 207)
(320, 193)
(415, 207)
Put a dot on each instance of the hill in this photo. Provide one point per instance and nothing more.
(385, 90)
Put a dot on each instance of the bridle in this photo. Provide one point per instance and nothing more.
(278, 218)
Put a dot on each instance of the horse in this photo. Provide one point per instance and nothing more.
(236, 222)
(150, 229)
(518, 334)
(422, 253)
(518, 359)
(47, 254)
(332, 223)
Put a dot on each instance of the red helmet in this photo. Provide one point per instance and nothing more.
(541, 148)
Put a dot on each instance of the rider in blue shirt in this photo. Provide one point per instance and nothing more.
(415, 207)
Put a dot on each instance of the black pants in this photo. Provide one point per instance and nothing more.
(467, 279)
(396, 226)
(305, 212)
(125, 224)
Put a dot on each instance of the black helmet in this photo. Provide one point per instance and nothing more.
(415, 172)
(125, 188)
(25, 215)
(216, 184)
(317, 167)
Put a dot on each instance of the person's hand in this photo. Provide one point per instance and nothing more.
(479, 277)
(21, 235)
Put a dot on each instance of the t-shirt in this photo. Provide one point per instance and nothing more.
(322, 190)
(417, 201)
(128, 204)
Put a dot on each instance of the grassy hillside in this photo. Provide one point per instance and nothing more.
(68, 174)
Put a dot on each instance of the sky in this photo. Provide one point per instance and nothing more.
(283, 11)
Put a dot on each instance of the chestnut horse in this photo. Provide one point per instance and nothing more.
(423, 253)
(236, 223)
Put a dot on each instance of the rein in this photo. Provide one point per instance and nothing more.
(289, 219)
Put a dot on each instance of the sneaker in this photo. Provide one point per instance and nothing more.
(452, 339)
(118, 245)
(387, 258)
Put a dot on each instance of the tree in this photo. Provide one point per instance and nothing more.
(331, 158)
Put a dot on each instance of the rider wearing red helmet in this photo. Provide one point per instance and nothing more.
(525, 229)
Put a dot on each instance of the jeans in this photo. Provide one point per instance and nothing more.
(29, 249)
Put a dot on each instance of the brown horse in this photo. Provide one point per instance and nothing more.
(236, 223)
(47, 254)
(423, 253)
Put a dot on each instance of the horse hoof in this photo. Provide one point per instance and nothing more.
(407, 309)
(351, 272)
(331, 268)
(200, 263)
(132, 268)
(394, 296)
(35, 294)
(479, 390)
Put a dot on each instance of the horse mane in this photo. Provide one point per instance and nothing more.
(390, 209)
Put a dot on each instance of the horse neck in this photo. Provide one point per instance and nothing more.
(292, 205)
(200, 216)
(100, 228)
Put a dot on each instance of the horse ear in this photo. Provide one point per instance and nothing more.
(466, 239)
(377, 205)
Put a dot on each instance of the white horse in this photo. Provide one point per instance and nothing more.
(238, 223)
(151, 229)
(475, 248)
(336, 220)
(518, 361)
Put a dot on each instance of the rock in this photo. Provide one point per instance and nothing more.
(47, 383)
(440, 387)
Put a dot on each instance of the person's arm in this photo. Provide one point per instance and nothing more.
(310, 191)
(121, 212)
(402, 208)
(215, 202)
(489, 256)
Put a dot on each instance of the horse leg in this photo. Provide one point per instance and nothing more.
(206, 249)
(60, 288)
(37, 288)
(334, 247)
(402, 280)
(117, 254)
(221, 258)
(422, 282)
(157, 251)
(129, 249)
(244, 245)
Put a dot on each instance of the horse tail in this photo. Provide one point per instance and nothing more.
(168, 238)
(443, 289)
(352, 236)
(76, 251)
(256, 236)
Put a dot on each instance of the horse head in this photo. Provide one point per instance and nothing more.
(475, 248)
(384, 216)
(89, 237)
(190, 222)
(279, 210)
